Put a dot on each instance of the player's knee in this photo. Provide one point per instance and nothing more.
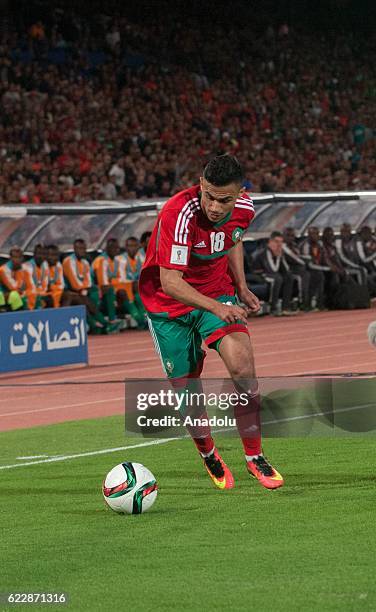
(242, 369)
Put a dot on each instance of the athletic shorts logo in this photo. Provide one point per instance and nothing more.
(169, 365)
(179, 255)
(237, 234)
(200, 245)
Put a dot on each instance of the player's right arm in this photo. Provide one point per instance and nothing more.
(176, 287)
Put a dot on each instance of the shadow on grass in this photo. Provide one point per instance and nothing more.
(331, 480)
(109, 512)
(48, 491)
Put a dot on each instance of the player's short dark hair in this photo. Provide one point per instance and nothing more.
(131, 238)
(79, 241)
(52, 247)
(275, 234)
(223, 170)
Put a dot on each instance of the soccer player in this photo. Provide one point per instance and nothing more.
(16, 282)
(193, 269)
(133, 266)
(107, 273)
(56, 284)
(77, 275)
(38, 267)
(110, 271)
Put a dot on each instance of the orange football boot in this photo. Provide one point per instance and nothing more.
(261, 469)
(218, 471)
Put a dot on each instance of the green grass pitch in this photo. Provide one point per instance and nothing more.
(308, 546)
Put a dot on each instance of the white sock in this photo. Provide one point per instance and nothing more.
(252, 457)
(206, 455)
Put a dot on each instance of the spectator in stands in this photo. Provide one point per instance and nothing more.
(117, 171)
(78, 280)
(271, 264)
(312, 252)
(38, 267)
(16, 282)
(298, 267)
(128, 100)
(108, 188)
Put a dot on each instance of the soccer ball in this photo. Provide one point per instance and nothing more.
(130, 488)
(372, 334)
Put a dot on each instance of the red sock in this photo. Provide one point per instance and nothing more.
(201, 435)
(248, 424)
(204, 445)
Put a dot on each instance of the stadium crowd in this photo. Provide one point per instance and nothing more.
(106, 108)
(287, 275)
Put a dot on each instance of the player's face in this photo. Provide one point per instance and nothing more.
(112, 249)
(52, 257)
(275, 245)
(313, 234)
(17, 259)
(80, 250)
(218, 202)
(40, 255)
(346, 231)
(328, 235)
(289, 235)
(132, 247)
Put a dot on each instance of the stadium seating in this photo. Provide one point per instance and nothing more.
(95, 108)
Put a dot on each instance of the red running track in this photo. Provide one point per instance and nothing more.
(330, 342)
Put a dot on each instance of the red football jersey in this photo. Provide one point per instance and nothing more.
(184, 239)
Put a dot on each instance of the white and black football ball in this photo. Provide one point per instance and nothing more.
(130, 488)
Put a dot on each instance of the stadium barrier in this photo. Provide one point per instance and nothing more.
(43, 338)
(96, 221)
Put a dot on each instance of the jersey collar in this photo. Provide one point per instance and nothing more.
(224, 220)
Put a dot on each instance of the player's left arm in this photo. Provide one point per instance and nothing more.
(236, 266)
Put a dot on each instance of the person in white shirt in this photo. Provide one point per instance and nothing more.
(117, 170)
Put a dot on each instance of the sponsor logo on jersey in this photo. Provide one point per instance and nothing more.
(200, 245)
(179, 255)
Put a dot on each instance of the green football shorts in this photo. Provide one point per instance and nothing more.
(178, 340)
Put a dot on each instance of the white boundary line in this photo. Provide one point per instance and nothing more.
(106, 451)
